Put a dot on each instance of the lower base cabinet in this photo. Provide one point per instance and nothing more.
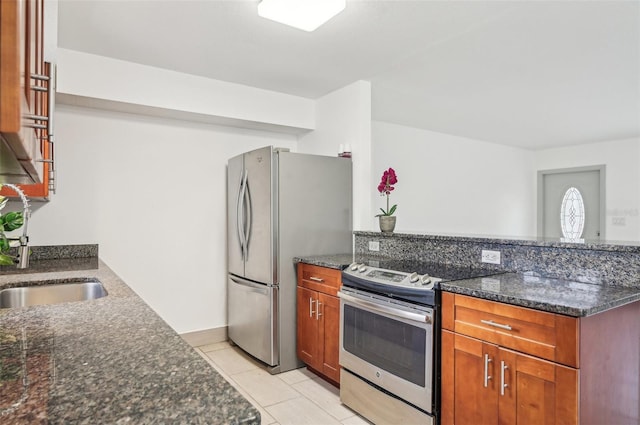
(504, 364)
(493, 385)
(318, 320)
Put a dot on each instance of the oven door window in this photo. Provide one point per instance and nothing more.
(393, 345)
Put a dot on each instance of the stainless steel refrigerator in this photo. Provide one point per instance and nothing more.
(280, 205)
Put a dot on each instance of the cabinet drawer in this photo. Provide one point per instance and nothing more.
(321, 279)
(546, 335)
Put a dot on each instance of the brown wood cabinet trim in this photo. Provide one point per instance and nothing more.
(447, 401)
(610, 366)
(546, 335)
(10, 94)
(448, 310)
(331, 278)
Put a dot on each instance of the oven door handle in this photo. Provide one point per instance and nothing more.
(415, 317)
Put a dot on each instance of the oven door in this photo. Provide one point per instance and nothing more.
(390, 344)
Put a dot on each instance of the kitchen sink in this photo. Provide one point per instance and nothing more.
(53, 293)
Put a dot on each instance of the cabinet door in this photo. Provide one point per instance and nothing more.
(307, 331)
(469, 387)
(537, 391)
(329, 337)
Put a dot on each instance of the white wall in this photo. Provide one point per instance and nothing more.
(152, 193)
(344, 117)
(89, 79)
(622, 193)
(453, 185)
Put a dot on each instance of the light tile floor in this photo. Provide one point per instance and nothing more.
(297, 397)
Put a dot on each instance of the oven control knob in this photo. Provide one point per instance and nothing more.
(413, 277)
(354, 267)
(425, 280)
(362, 268)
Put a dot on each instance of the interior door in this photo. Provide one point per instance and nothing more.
(554, 187)
(234, 237)
(260, 215)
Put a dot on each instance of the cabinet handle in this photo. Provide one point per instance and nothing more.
(36, 117)
(38, 126)
(497, 325)
(318, 314)
(316, 279)
(486, 370)
(311, 301)
(40, 77)
(503, 367)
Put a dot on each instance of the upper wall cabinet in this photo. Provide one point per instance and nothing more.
(26, 99)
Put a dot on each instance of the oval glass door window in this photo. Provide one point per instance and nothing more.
(572, 215)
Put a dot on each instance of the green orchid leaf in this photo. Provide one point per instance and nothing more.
(6, 260)
(393, 209)
(12, 220)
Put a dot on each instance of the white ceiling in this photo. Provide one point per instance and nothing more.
(531, 73)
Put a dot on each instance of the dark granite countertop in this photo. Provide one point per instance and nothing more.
(554, 295)
(111, 360)
(336, 261)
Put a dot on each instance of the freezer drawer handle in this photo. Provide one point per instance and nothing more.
(262, 289)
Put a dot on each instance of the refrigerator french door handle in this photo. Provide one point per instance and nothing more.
(240, 215)
(248, 211)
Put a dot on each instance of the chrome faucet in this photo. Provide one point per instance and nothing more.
(23, 249)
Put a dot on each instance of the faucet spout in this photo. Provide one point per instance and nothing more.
(23, 249)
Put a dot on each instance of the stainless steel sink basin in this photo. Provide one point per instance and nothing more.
(53, 293)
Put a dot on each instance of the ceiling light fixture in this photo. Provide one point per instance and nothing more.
(303, 14)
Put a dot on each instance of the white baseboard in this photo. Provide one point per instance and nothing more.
(205, 336)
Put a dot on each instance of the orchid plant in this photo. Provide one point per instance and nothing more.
(385, 187)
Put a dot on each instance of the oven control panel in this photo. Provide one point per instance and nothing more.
(391, 277)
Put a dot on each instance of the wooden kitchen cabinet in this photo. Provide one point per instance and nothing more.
(504, 364)
(318, 319)
(500, 386)
(25, 97)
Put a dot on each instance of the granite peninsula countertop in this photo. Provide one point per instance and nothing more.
(553, 295)
(527, 290)
(111, 360)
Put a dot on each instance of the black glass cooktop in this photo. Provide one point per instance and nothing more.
(446, 272)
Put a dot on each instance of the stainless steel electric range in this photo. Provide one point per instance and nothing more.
(389, 331)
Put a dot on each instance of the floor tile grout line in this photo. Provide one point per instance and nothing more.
(229, 377)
